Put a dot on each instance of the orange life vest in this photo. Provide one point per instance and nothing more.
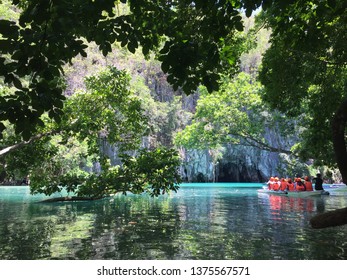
(276, 186)
(308, 185)
(300, 186)
(284, 186)
(291, 187)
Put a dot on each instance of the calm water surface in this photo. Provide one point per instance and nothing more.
(223, 221)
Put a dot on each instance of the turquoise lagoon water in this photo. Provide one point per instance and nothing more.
(200, 221)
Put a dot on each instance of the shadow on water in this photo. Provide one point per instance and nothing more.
(195, 223)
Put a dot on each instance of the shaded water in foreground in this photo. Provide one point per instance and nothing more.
(227, 221)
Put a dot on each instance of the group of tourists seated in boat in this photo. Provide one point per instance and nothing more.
(290, 185)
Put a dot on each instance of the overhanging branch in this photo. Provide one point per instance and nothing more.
(17, 146)
(263, 146)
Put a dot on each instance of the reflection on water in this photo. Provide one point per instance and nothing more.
(195, 223)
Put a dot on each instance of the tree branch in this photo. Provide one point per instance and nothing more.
(254, 142)
(339, 143)
(24, 143)
(71, 198)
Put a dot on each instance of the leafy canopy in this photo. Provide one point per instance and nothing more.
(48, 34)
(72, 157)
(304, 70)
(234, 115)
(222, 117)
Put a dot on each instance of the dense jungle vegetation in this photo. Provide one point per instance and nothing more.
(100, 97)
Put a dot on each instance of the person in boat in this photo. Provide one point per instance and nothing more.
(270, 183)
(318, 186)
(284, 185)
(300, 187)
(308, 184)
(276, 185)
(290, 185)
(26, 181)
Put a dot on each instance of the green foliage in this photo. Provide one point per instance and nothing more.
(60, 161)
(15, 165)
(235, 114)
(166, 115)
(154, 172)
(49, 34)
(7, 10)
(108, 112)
(304, 71)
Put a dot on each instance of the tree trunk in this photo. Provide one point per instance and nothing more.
(330, 219)
(339, 142)
(339, 216)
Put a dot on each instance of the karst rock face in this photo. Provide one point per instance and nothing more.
(235, 163)
(238, 164)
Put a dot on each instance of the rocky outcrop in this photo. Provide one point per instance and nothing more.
(237, 164)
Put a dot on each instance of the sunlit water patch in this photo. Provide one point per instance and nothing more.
(223, 221)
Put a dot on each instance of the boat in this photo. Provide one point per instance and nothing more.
(335, 188)
(265, 190)
(306, 193)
